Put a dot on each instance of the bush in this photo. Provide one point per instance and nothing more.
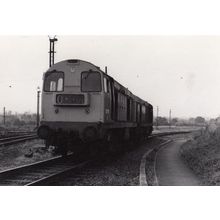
(202, 154)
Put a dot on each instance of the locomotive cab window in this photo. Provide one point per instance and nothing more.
(60, 85)
(53, 81)
(90, 81)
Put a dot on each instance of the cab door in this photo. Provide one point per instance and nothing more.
(112, 98)
(107, 100)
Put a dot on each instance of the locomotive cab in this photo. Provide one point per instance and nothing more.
(72, 101)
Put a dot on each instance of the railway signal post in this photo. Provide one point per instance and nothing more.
(38, 107)
(52, 51)
(170, 118)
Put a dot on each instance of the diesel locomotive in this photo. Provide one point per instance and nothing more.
(81, 104)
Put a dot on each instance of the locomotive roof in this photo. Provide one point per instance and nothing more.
(116, 84)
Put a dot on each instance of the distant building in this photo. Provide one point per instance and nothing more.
(217, 120)
(212, 126)
(192, 121)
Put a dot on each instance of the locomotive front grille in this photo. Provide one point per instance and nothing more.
(72, 100)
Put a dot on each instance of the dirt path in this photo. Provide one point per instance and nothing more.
(171, 170)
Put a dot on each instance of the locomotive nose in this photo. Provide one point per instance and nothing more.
(43, 132)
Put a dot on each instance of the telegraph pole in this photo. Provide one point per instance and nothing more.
(4, 115)
(52, 51)
(38, 107)
(170, 118)
(157, 117)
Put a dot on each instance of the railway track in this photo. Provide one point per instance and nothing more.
(40, 173)
(16, 139)
(170, 133)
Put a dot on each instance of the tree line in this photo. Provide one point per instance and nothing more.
(178, 121)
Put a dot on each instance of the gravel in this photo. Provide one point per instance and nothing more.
(23, 153)
(114, 170)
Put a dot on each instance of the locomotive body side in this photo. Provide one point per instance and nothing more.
(124, 110)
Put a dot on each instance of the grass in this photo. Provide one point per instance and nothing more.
(202, 154)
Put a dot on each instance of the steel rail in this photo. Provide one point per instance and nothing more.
(15, 137)
(43, 181)
(26, 174)
(15, 140)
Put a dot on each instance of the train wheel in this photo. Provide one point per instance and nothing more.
(47, 144)
(64, 151)
(115, 141)
(93, 149)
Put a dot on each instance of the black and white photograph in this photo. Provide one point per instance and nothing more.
(109, 109)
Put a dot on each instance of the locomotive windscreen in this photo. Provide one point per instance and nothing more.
(53, 81)
(90, 81)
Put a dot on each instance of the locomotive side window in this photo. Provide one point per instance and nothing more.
(53, 82)
(90, 81)
(138, 112)
(143, 109)
(106, 85)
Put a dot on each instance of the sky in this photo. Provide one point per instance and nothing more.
(181, 73)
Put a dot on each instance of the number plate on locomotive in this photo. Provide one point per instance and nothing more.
(70, 99)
